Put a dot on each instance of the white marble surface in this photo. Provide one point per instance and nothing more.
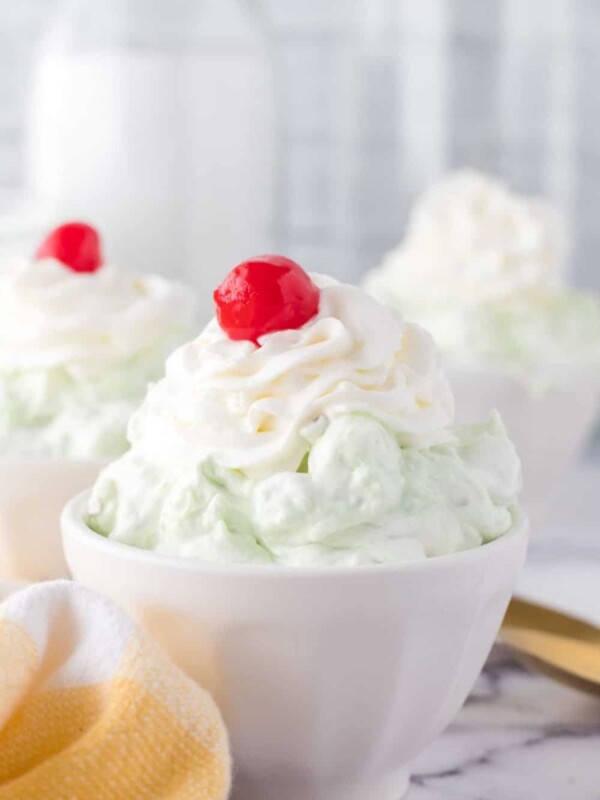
(521, 736)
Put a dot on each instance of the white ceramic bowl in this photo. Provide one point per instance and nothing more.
(32, 496)
(330, 680)
(550, 432)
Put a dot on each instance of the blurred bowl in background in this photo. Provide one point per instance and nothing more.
(32, 496)
(550, 431)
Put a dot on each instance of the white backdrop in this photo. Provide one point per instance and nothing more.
(378, 97)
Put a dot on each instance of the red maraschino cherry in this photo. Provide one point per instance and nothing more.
(74, 244)
(265, 294)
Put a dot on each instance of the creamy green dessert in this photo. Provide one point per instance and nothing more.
(358, 498)
(77, 351)
(482, 269)
(63, 413)
(540, 327)
(327, 444)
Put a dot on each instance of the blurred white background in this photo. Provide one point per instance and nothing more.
(378, 97)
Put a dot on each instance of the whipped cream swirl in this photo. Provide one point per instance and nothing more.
(51, 316)
(259, 409)
(481, 269)
(77, 351)
(470, 240)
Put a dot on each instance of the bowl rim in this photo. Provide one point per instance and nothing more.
(73, 527)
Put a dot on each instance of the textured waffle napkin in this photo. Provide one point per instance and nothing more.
(91, 709)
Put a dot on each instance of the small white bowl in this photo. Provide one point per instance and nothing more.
(32, 496)
(549, 432)
(330, 680)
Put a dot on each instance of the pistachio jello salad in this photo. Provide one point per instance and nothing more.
(483, 269)
(306, 425)
(79, 341)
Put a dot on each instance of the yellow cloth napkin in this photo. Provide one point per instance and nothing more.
(91, 709)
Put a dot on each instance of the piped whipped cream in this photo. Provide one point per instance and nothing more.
(259, 409)
(327, 445)
(470, 240)
(476, 255)
(77, 351)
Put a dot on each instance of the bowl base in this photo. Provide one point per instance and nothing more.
(392, 786)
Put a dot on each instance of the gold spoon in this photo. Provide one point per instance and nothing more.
(561, 646)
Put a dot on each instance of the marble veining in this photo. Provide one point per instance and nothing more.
(519, 737)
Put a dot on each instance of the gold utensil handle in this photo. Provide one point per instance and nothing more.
(553, 638)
